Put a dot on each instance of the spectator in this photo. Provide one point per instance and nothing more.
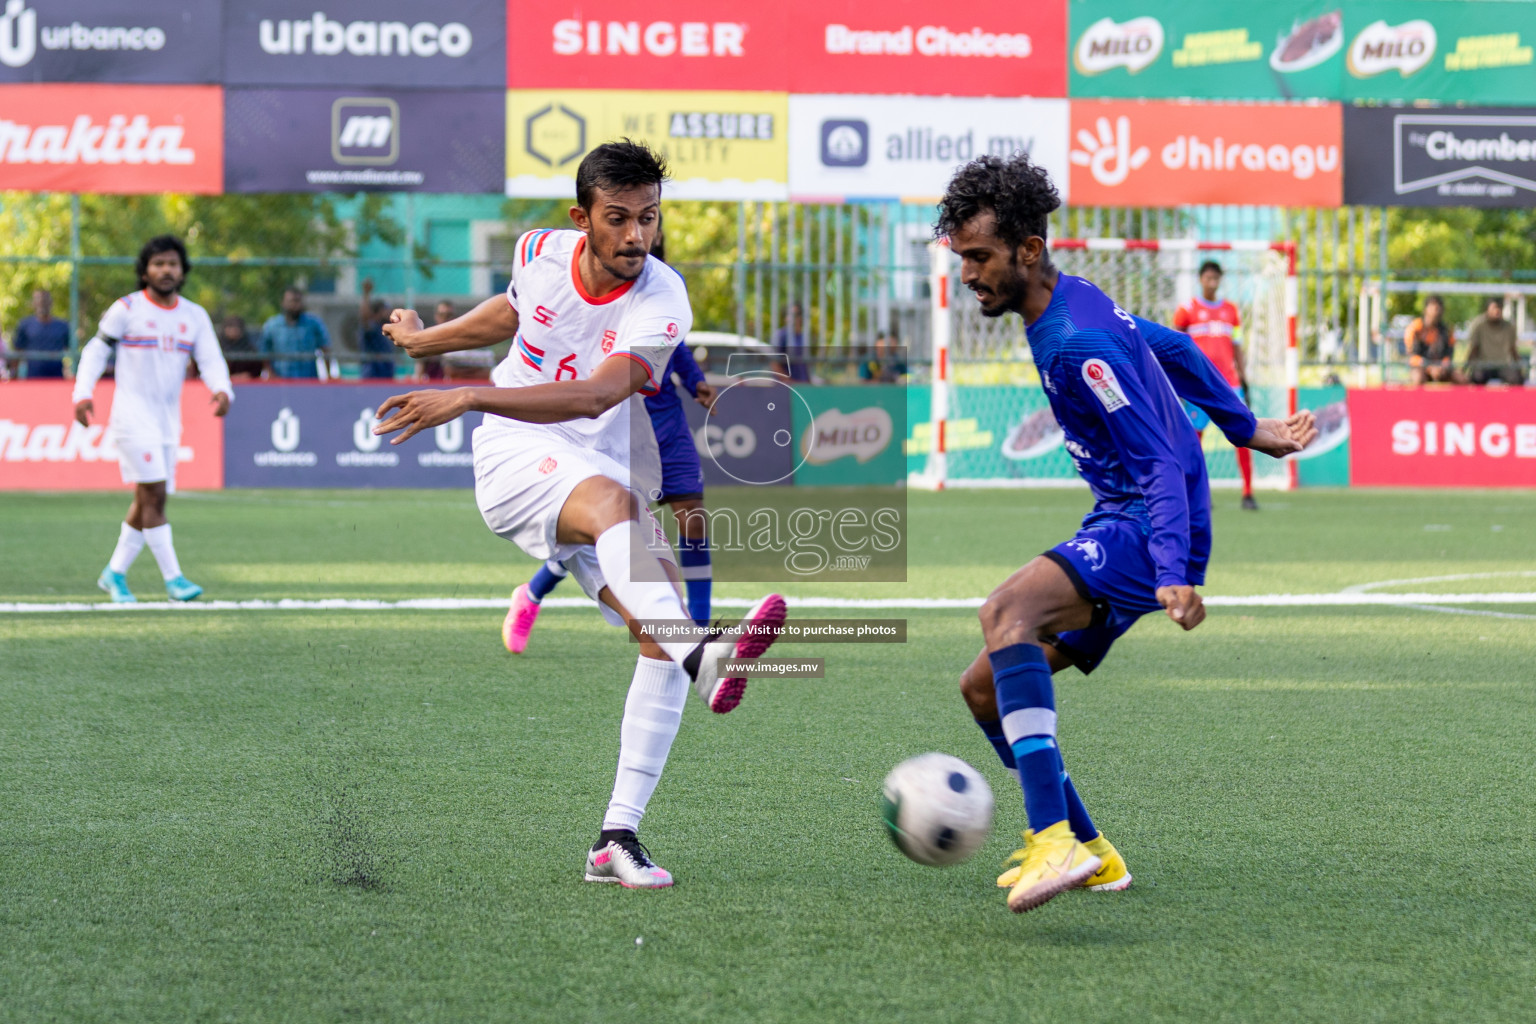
(1431, 346)
(432, 369)
(372, 316)
(244, 361)
(790, 340)
(293, 332)
(40, 333)
(886, 366)
(1491, 351)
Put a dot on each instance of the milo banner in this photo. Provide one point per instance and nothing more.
(1448, 51)
(1206, 49)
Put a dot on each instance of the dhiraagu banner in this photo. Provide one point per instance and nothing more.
(720, 145)
(1449, 51)
(1205, 49)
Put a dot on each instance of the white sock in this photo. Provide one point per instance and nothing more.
(556, 569)
(129, 543)
(642, 599)
(652, 712)
(159, 540)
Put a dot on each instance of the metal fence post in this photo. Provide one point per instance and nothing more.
(74, 277)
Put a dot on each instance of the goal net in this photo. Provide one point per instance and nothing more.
(990, 423)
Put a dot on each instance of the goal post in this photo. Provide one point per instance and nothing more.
(990, 423)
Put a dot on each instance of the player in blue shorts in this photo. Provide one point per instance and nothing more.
(1142, 548)
(682, 487)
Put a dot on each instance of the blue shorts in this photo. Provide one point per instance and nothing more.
(681, 475)
(1111, 568)
(1197, 415)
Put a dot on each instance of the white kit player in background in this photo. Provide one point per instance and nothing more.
(593, 318)
(154, 330)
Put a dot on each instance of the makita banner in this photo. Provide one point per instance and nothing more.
(908, 46)
(908, 147)
(109, 41)
(1170, 154)
(401, 43)
(1415, 156)
(1460, 437)
(120, 138)
(42, 448)
(314, 140)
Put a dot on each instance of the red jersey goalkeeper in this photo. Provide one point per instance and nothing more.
(1213, 324)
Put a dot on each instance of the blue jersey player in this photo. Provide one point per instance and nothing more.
(1144, 546)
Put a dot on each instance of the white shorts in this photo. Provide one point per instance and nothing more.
(522, 481)
(147, 463)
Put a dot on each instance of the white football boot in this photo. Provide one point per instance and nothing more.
(628, 862)
(758, 629)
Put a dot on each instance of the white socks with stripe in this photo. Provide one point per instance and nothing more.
(129, 543)
(649, 598)
(159, 540)
(652, 713)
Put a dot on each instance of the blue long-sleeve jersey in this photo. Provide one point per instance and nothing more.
(1196, 380)
(1125, 429)
(665, 407)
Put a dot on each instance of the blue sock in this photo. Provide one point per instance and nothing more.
(994, 734)
(1077, 814)
(1027, 703)
(698, 576)
(543, 582)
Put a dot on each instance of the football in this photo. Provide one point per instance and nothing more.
(937, 808)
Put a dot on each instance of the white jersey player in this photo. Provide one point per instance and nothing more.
(592, 318)
(154, 330)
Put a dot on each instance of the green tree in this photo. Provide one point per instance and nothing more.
(1459, 243)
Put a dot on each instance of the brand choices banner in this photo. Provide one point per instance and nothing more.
(907, 46)
(109, 41)
(317, 140)
(1168, 154)
(1464, 437)
(720, 145)
(907, 147)
(43, 448)
(118, 138)
(1414, 156)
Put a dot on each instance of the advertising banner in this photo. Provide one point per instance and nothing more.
(1417, 156)
(850, 436)
(907, 147)
(118, 138)
(321, 140)
(1171, 154)
(745, 443)
(721, 145)
(905, 46)
(397, 43)
(1449, 51)
(1325, 463)
(1206, 49)
(1464, 437)
(109, 41)
(42, 448)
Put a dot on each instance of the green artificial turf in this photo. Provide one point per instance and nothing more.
(380, 815)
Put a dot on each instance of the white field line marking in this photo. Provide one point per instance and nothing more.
(1427, 601)
(1366, 588)
(1469, 611)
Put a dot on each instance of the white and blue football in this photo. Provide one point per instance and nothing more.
(937, 808)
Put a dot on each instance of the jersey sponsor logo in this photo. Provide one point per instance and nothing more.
(609, 337)
(1108, 44)
(545, 316)
(320, 35)
(1380, 47)
(548, 465)
(1092, 551)
(657, 38)
(671, 330)
(1100, 378)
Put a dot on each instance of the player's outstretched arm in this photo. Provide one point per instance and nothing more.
(1279, 438)
(490, 323)
(613, 381)
(1196, 380)
(93, 363)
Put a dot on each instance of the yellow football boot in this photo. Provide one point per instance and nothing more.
(1051, 862)
(1112, 876)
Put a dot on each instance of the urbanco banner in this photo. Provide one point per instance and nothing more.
(42, 448)
(906, 46)
(1206, 49)
(908, 147)
(324, 140)
(1462, 437)
(386, 43)
(117, 139)
(1170, 154)
(720, 145)
(1420, 156)
(109, 41)
(1448, 51)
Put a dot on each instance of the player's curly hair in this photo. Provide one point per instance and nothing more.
(1019, 192)
(616, 165)
(154, 247)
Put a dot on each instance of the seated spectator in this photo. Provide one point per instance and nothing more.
(38, 334)
(886, 365)
(1431, 346)
(239, 348)
(372, 316)
(300, 336)
(1491, 352)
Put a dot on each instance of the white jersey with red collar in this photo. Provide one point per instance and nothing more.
(564, 333)
(153, 344)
